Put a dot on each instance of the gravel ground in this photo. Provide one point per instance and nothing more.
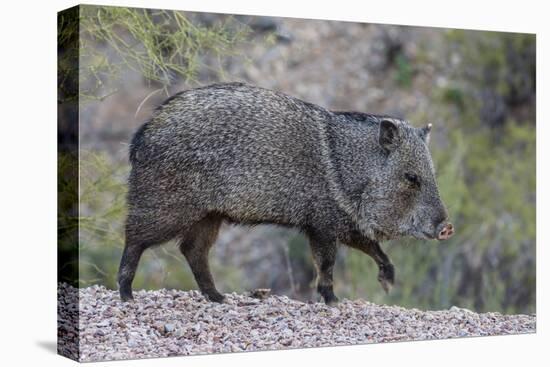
(171, 322)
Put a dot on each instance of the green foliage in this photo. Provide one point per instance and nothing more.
(102, 210)
(454, 96)
(404, 71)
(68, 55)
(502, 63)
(161, 45)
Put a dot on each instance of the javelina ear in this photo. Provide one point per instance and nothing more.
(388, 135)
(425, 133)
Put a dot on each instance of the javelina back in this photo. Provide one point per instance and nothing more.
(249, 155)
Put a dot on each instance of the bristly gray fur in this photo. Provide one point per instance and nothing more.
(250, 155)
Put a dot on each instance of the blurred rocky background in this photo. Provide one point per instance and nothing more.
(476, 88)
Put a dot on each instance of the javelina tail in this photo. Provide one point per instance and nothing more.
(138, 140)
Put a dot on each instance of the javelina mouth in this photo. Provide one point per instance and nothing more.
(428, 235)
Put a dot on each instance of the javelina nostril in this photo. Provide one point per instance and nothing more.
(446, 232)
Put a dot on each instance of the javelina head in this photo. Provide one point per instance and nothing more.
(402, 198)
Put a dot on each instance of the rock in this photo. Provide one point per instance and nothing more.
(104, 323)
(169, 328)
(261, 293)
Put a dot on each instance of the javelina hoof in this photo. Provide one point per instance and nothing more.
(214, 296)
(332, 302)
(328, 294)
(126, 295)
(386, 277)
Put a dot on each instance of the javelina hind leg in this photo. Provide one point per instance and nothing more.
(127, 270)
(195, 246)
(139, 237)
(386, 272)
(324, 257)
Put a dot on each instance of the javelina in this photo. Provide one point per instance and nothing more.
(243, 154)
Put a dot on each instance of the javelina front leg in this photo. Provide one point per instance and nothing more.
(386, 272)
(324, 256)
(195, 246)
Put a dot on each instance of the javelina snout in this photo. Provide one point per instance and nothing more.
(445, 231)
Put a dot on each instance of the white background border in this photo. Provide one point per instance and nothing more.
(28, 181)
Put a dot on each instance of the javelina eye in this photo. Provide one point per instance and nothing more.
(412, 179)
